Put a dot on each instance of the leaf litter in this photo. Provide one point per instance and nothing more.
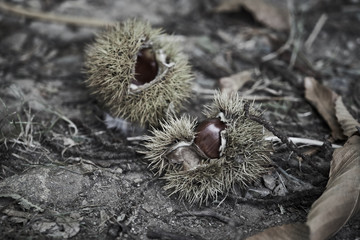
(341, 199)
(267, 13)
(295, 231)
(299, 229)
(333, 209)
(347, 122)
(236, 81)
(323, 99)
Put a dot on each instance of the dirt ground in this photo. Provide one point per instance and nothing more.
(63, 174)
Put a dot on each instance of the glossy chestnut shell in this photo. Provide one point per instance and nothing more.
(146, 67)
(208, 137)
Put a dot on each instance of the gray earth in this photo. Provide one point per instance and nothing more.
(64, 174)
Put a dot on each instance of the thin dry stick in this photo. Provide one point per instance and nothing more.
(297, 32)
(315, 32)
(137, 138)
(291, 177)
(290, 39)
(272, 129)
(295, 51)
(209, 94)
(264, 98)
(80, 21)
(278, 52)
(306, 141)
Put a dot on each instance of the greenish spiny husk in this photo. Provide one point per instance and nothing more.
(198, 185)
(172, 131)
(110, 64)
(244, 160)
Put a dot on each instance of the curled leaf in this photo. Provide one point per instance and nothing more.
(235, 82)
(265, 12)
(323, 99)
(340, 201)
(295, 231)
(347, 122)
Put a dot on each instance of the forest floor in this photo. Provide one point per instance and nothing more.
(63, 174)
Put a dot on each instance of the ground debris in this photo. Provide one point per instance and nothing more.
(56, 152)
(63, 227)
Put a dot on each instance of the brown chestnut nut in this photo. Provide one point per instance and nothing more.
(208, 137)
(146, 67)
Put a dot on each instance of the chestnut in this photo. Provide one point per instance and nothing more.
(146, 67)
(137, 73)
(208, 137)
(200, 162)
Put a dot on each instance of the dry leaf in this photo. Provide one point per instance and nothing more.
(347, 122)
(295, 231)
(340, 201)
(263, 11)
(235, 82)
(323, 99)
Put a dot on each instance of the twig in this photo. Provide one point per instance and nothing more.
(291, 177)
(306, 141)
(80, 21)
(296, 32)
(290, 39)
(295, 51)
(257, 97)
(203, 91)
(278, 52)
(282, 181)
(137, 138)
(210, 213)
(315, 32)
(272, 129)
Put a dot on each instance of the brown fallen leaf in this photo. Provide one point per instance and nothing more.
(264, 11)
(323, 99)
(341, 199)
(338, 203)
(235, 82)
(295, 231)
(347, 122)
